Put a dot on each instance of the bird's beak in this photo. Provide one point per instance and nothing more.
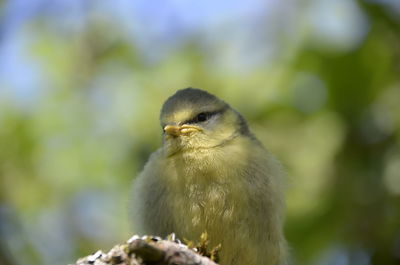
(180, 130)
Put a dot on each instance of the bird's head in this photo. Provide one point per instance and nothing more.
(193, 119)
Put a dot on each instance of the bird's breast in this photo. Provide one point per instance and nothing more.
(202, 188)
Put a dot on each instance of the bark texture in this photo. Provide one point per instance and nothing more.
(150, 250)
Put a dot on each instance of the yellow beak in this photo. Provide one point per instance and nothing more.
(180, 130)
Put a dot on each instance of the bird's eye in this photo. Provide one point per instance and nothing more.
(202, 117)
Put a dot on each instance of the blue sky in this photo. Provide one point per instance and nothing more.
(247, 28)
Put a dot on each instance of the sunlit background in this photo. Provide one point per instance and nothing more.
(82, 82)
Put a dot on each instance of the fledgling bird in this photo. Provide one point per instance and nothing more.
(211, 174)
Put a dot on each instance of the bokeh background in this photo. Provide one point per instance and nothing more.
(82, 82)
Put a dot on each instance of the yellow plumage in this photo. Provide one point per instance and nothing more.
(217, 178)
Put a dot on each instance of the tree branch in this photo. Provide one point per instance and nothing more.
(149, 250)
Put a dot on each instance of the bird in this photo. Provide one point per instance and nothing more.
(212, 175)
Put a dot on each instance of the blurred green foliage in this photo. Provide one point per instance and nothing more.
(71, 143)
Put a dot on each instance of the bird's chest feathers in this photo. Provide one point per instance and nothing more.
(195, 171)
(202, 186)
